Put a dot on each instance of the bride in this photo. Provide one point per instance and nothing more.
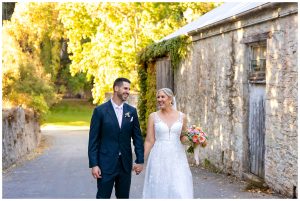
(167, 173)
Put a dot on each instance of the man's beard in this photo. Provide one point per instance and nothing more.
(120, 95)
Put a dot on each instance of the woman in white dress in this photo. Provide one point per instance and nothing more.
(168, 173)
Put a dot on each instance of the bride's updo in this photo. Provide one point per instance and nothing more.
(170, 94)
(167, 91)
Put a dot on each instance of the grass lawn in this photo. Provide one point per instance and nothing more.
(70, 113)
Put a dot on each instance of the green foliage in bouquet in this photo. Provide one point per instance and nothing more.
(190, 149)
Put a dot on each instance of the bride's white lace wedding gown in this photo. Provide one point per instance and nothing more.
(168, 173)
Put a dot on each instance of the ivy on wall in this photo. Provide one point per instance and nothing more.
(147, 97)
(174, 48)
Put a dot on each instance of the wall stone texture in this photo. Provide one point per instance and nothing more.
(212, 88)
(20, 134)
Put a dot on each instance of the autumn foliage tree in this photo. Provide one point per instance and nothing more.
(104, 39)
(30, 56)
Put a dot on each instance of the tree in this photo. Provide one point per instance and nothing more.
(7, 10)
(30, 56)
(105, 38)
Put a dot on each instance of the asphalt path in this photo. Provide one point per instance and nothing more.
(62, 172)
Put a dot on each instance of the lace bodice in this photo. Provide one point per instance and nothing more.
(164, 132)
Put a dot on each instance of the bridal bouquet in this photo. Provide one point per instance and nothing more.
(196, 136)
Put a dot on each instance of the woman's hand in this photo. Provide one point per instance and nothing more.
(184, 139)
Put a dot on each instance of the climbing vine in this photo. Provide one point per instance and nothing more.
(174, 48)
(147, 98)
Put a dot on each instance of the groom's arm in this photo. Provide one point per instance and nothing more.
(94, 139)
(137, 140)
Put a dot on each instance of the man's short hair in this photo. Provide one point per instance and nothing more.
(119, 82)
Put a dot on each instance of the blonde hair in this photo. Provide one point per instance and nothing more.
(170, 94)
(167, 91)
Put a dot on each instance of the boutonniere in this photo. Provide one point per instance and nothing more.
(127, 115)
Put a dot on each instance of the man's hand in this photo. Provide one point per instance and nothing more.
(138, 168)
(96, 172)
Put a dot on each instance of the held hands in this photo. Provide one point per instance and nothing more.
(96, 172)
(138, 168)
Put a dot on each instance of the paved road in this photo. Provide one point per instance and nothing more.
(62, 172)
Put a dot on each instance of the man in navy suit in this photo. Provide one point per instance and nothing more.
(113, 125)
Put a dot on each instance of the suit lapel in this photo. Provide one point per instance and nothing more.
(112, 113)
(125, 110)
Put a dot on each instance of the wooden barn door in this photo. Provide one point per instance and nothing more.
(164, 74)
(256, 133)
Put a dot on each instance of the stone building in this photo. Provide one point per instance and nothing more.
(239, 82)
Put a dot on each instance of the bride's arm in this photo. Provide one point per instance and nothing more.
(150, 137)
(184, 138)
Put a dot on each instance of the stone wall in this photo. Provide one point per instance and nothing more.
(212, 88)
(281, 112)
(20, 134)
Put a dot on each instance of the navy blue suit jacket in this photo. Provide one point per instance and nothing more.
(107, 139)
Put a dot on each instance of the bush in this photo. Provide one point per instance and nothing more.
(24, 79)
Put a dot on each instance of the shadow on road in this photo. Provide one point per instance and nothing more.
(59, 169)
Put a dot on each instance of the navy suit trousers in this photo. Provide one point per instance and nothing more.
(120, 179)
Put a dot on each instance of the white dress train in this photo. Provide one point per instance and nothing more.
(168, 174)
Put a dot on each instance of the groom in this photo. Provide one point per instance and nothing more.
(113, 124)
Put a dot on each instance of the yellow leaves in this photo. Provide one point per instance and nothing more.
(32, 31)
(113, 34)
(12, 55)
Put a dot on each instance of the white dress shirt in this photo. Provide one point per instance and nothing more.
(118, 111)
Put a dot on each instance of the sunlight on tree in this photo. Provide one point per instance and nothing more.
(30, 56)
(103, 38)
